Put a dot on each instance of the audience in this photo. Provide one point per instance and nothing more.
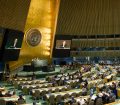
(8, 94)
(1, 95)
(21, 100)
(84, 91)
(107, 93)
(72, 100)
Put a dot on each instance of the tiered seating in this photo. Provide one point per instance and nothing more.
(17, 83)
(8, 97)
(62, 87)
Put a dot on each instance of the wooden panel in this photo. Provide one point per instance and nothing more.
(95, 53)
(13, 13)
(89, 17)
(82, 43)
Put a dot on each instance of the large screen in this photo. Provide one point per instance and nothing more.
(63, 44)
(14, 39)
(12, 44)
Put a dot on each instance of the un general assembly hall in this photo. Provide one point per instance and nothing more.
(59, 52)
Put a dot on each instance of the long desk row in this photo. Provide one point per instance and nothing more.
(42, 91)
(17, 83)
(40, 86)
(5, 100)
(73, 92)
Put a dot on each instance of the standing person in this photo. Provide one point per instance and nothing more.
(62, 70)
(91, 91)
(33, 76)
(21, 100)
(63, 45)
(15, 42)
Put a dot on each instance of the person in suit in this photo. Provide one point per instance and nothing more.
(8, 94)
(1, 95)
(21, 100)
(15, 42)
(63, 45)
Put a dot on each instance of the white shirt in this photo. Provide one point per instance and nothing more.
(94, 97)
(81, 101)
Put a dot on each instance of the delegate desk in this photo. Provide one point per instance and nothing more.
(114, 103)
(109, 77)
(38, 92)
(62, 94)
(5, 100)
(17, 83)
(27, 88)
(37, 85)
(71, 82)
(2, 89)
(21, 79)
(93, 82)
(78, 99)
(108, 83)
(49, 89)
